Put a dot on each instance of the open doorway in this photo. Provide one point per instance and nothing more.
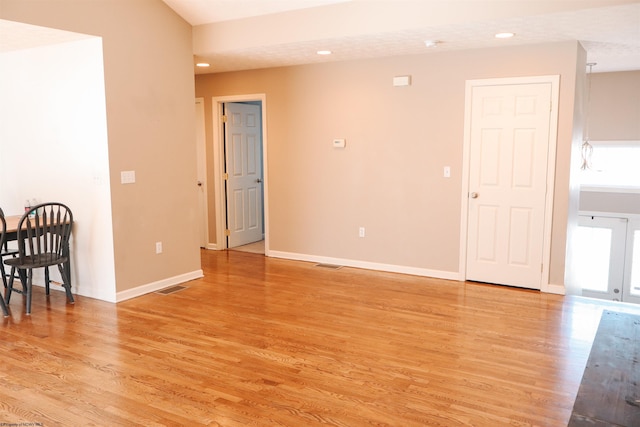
(71, 130)
(239, 147)
(243, 173)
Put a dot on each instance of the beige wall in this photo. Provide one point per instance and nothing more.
(149, 87)
(615, 106)
(389, 177)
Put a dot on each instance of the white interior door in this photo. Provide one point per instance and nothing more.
(243, 152)
(508, 155)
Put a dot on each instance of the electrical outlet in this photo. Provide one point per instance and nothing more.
(447, 172)
(361, 232)
(158, 247)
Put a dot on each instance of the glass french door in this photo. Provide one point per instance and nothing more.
(608, 253)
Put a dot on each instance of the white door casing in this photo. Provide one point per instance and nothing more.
(508, 171)
(218, 166)
(632, 262)
(243, 151)
(201, 150)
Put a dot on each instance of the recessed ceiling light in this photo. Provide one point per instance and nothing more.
(324, 52)
(202, 64)
(431, 43)
(504, 35)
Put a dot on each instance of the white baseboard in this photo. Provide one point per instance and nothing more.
(437, 274)
(212, 246)
(553, 289)
(155, 286)
(448, 275)
(56, 286)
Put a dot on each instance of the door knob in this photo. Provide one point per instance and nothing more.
(258, 180)
(199, 183)
(474, 195)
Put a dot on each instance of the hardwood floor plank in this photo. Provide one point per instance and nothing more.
(263, 342)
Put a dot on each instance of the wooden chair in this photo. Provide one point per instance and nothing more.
(3, 229)
(43, 241)
(6, 252)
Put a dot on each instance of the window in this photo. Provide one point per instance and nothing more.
(614, 167)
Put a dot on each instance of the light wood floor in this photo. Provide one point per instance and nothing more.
(267, 342)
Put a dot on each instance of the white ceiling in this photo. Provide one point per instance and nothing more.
(247, 34)
(197, 12)
(608, 29)
(17, 36)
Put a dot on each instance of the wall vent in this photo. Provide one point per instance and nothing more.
(170, 290)
(330, 266)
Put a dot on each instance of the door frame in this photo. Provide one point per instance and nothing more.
(219, 162)
(201, 138)
(554, 80)
(633, 225)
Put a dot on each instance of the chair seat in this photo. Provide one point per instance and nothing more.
(36, 261)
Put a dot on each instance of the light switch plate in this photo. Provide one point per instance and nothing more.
(339, 143)
(402, 81)
(127, 177)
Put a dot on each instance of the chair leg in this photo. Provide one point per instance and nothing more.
(22, 275)
(28, 290)
(4, 274)
(5, 310)
(46, 280)
(7, 296)
(23, 279)
(3, 305)
(66, 282)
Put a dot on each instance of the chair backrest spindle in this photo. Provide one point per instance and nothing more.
(45, 229)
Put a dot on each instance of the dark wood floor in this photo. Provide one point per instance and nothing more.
(264, 342)
(609, 393)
